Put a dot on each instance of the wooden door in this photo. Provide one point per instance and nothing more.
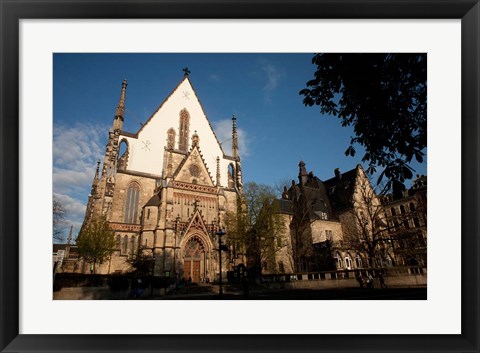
(196, 271)
(187, 269)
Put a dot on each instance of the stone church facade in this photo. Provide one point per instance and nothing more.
(166, 188)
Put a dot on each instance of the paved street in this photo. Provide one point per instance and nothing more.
(236, 293)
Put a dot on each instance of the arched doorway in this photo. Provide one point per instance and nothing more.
(194, 260)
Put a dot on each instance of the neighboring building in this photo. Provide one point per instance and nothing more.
(338, 223)
(407, 223)
(58, 254)
(65, 258)
(166, 188)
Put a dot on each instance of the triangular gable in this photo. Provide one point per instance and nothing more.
(174, 91)
(197, 223)
(193, 169)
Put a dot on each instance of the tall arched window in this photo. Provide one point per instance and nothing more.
(231, 176)
(348, 262)
(338, 260)
(124, 245)
(171, 138)
(118, 242)
(122, 155)
(131, 204)
(183, 130)
(358, 261)
(132, 246)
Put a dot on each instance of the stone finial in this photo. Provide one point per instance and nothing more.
(195, 139)
(234, 137)
(218, 171)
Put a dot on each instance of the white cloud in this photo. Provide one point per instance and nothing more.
(223, 130)
(76, 150)
(74, 213)
(273, 76)
(214, 78)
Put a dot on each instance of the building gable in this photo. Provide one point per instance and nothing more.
(193, 169)
(146, 147)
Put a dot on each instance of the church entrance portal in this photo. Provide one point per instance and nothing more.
(194, 260)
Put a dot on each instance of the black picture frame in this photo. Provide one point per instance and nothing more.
(12, 11)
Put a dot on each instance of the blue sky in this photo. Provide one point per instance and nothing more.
(276, 129)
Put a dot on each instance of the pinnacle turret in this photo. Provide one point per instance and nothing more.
(234, 137)
(120, 111)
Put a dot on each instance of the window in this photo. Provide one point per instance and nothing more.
(124, 246)
(389, 261)
(416, 222)
(231, 173)
(348, 262)
(148, 214)
(303, 264)
(393, 211)
(184, 129)
(264, 265)
(131, 204)
(171, 138)
(338, 260)
(122, 155)
(118, 242)
(281, 267)
(132, 245)
(279, 242)
(358, 261)
(328, 234)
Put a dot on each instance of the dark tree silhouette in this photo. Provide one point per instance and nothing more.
(59, 220)
(384, 98)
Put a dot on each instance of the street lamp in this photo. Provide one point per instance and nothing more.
(220, 233)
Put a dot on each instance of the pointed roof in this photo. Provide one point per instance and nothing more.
(340, 189)
(154, 201)
(120, 111)
(185, 78)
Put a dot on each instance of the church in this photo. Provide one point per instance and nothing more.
(166, 188)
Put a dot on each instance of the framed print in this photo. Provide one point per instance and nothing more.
(54, 53)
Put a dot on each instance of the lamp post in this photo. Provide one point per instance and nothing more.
(220, 233)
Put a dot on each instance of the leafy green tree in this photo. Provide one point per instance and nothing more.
(384, 98)
(257, 227)
(96, 242)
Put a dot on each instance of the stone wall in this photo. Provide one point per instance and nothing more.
(398, 277)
